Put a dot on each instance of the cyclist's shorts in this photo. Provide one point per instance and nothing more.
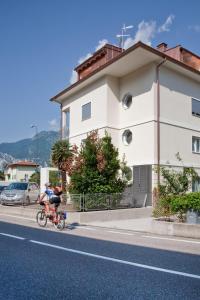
(55, 200)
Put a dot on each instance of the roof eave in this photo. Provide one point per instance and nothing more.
(126, 52)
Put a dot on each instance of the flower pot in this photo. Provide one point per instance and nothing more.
(192, 217)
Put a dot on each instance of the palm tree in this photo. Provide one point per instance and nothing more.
(61, 157)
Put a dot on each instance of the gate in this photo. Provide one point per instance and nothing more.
(142, 185)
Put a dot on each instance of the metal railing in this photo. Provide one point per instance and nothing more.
(99, 201)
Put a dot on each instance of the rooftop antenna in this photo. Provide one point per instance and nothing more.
(122, 35)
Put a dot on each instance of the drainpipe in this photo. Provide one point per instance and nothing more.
(61, 122)
(158, 117)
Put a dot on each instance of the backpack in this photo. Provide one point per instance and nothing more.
(57, 191)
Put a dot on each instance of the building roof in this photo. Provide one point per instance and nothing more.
(23, 164)
(95, 55)
(139, 51)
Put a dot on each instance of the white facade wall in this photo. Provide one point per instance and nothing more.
(178, 125)
(139, 118)
(107, 113)
(97, 95)
(19, 173)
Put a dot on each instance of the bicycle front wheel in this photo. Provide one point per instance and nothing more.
(60, 221)
(41, 218)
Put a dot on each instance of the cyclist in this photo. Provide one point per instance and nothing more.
(51, 194)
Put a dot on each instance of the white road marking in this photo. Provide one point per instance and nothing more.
(170, 239)
(18, 217)
(119, 232)
(125, 262)
(12, 236)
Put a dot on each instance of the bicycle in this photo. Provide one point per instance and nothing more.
(57, 218)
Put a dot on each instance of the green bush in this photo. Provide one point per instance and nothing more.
(190, 201)
(177, 205)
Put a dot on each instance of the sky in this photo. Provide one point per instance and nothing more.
(42, 41)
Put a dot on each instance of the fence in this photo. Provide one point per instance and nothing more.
(102, 201)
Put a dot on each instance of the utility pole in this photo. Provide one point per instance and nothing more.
(36, 133)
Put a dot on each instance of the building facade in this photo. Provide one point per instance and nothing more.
(20, 171)
(147, 99)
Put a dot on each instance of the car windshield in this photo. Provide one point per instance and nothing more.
(17, 186)
(2, 188)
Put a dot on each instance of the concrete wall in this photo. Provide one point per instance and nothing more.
(175, 229)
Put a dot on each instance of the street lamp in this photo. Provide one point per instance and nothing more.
(36, 133)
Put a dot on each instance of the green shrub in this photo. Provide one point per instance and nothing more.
(186, 202)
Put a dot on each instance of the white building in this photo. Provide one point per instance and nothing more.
(147, 99)
(20, 171)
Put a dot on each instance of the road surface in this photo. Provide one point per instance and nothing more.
(95, 263)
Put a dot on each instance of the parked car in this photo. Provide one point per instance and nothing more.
(2, 187)
(20, 193)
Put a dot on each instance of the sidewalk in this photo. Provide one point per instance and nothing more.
(138, 219)
(140, 224)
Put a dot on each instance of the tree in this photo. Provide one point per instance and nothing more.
(35, 177)
(62, 158)
(96, 167)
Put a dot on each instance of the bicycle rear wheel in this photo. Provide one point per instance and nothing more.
(41, 218)
(60, 221)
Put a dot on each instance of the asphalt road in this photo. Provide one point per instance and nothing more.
(42, 264)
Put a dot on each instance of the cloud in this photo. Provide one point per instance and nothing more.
(167, 24)
(74, 76)
(101, 44)
(83, 58)
(195, 28)
(53, 124)
(146, 31)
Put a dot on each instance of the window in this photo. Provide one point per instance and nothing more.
(67, 124)
(127, 137)
(86, 111)
(195, 107)
(17, 186)
(195, 144)
(127, 101)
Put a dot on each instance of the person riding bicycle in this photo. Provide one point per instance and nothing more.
(53, 197)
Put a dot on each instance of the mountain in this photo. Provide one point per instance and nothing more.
(37, 149)
(5, 159)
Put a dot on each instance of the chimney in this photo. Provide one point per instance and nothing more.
(97, 60)
(162, 47)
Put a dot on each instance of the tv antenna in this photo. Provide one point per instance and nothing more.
(123, 35)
